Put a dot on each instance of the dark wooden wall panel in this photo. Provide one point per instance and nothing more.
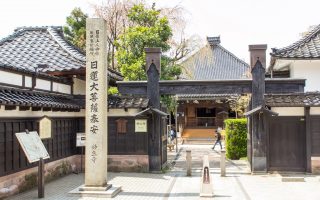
(2, 147)
(315, 135)
(61, 144)
(129, 143)
(287, 144)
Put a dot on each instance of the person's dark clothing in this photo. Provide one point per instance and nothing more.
(218, 136)
(218, 141)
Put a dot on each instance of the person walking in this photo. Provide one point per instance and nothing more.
(218, 141)
(172, 134)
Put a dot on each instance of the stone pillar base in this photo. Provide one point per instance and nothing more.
(315, 165)
(109, 191)
(259, 164)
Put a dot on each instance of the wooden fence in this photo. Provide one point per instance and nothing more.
(62, 143)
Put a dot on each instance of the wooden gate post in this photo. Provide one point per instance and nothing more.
(259, 159)
(41, 178)
(153, 69)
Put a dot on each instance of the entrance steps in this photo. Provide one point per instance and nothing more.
(198, 136)
(198, 141)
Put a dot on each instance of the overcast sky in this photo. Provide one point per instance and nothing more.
(238, 22)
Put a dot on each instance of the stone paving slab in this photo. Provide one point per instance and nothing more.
(175, 185)
(134, 186)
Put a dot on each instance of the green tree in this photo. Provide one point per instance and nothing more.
(147, 29)
(75, 30)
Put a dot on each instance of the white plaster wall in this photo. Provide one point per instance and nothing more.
(10, 78)
(43, 84)
(79, 86)
(307, 69)
(282, 64)
(315, 111)
(60, 87)
(289, 111)
(28, 81)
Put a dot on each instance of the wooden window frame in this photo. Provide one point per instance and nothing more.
(121, 125)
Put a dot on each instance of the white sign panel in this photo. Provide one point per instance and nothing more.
(45, 128)
(141, 125)
(81, 139)
(32, 146)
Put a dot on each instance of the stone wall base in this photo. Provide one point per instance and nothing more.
(27, 179)
(128, 163)
(315, 165)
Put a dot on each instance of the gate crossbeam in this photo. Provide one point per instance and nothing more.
(273, 86)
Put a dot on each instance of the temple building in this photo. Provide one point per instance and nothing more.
(200, 114)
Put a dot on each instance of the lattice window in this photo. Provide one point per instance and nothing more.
(121, 125)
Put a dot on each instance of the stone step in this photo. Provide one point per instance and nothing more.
(292, 179)
(198, 141)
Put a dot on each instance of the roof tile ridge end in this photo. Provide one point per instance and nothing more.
(11, 36)
(65, 45)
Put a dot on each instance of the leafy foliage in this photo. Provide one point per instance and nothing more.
(236, 138)
(240, 105)
(170, 102)
(75, 30)
(169, 70)
(148, 30)
(113, 90)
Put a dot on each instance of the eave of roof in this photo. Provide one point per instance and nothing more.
(27, 98)
(207, 96)
(150, 111)
(127, 102)
(6, 67)
(308, 47)
(293, 100)
(261, 109)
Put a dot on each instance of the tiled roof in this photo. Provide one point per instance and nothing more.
(29, 47)
(17, 97)
(206, 96)
(307, 47)
(127, 102)
(214, 62)
(295, 99)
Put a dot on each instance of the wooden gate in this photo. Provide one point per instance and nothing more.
(287, 144)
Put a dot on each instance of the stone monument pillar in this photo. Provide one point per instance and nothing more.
(96, 154)
(96, 104)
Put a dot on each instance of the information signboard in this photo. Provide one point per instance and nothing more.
(141, 125)
(81, 139)
(32, 146)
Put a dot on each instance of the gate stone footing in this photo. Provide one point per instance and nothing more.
(109, 191)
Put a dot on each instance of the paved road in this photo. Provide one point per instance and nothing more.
(174, 184)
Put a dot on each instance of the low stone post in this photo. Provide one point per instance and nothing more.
(223, 162)
(206, 189)
(189, 160)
